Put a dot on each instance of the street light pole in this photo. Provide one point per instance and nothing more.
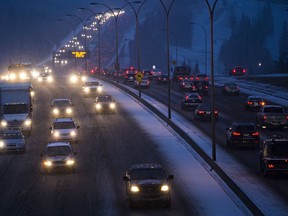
(211, 12)
(167, 12)
(205, 34)
(74, 39)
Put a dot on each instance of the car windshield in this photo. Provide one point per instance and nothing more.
(11, 135)
(61, 103)
(257, 99)
(279, 149)
(92, 84)
(245, 128)
(141, 174)
(64, 125)
(105, 98)
(58, 151)
(15, 109)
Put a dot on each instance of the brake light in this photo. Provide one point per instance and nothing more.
(244, 71)
(206, 87)
(200, 111)
(186, 98)
(236, 134)
(249, 102)
(262, 103)
(234, 71)
(255, 134)
(206, 78)
(287, 117)
(199, 97)
(197, 78)
(264, 117)
(215, 112)
(270, 166)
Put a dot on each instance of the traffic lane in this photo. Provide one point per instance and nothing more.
(233, 109)
(108, 145)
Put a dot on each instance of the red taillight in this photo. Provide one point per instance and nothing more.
(234, 71)
(264, 117)
(199, 97)
(206, 78)
(287, 117)
(255, 134)
(249, 102)
(206, 87)
(186, 98)
(236, 134)
(197, 78)
(270, 166)
(200, 111)
(215, 112)
(126, 76)
(244, 71)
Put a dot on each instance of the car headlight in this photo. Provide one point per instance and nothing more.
(47, 163)
(32, 93)
(27, 122)
(73, 79)
(2, 144)
(23, 75)
(50, 78)
(39, 79)
(12, 76)
(55, 111)
(86, 90)
(112, 105)
(83, 78)
(3, 123)
(99, 89)
(98, 106)
(134, 189)
(68, 110)
(70, 162)
(56, 134)
(73, 133)
(165, 188)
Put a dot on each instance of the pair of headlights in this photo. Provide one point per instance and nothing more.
(99, 106)
(49, 163)
(57, 111)
(135, 188)
(57, 134)
(27, 122)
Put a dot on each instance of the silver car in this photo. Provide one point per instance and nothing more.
(64, 129)
(12, 140)
(58, 155)
(62, 107)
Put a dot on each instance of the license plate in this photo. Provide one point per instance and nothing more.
(246, 134)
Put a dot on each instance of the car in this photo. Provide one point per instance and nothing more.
(242, 134)
(45, 77)
(254, 102)
(238, 70)
(148, 182)
(187, 85)
(201, 86)
(162, 79)
(156, 72)
(92, 88)
(204, 112)
(230, 88)
(145, 83)
(105, 104)
(64, 129)
(12, 140)
(190, 101)
(62, 107)
(129, 75)
(274, 155)
(148, 74)
(58, 156)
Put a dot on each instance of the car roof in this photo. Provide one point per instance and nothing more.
(63, 120)
(55, 144)
(61, 99)
(146, 166)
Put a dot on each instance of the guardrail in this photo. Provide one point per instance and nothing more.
(220, 172)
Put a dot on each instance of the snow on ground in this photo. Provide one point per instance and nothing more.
(203, 187)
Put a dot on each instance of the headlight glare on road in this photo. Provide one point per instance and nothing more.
(134, 189)
(165, 188)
